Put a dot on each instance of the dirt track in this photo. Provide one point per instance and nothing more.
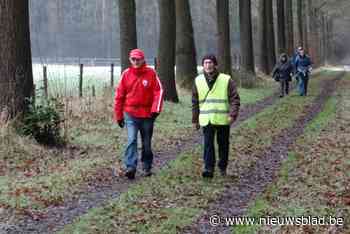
(236, 198)
(57, 217)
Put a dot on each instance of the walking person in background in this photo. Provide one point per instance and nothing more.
(138, 102)
(215, 107)
(303, 69)
(283, 73)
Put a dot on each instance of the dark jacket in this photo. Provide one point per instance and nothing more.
(233, 97)
(302, 63)
(283, 69)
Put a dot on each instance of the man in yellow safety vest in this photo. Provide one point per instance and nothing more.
(215, 107)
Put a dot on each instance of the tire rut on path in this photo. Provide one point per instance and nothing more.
(57, 217)
(234, 201)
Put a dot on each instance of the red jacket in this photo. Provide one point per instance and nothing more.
(139, 93)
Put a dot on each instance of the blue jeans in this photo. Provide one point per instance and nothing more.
(145, 126)
(302, 85)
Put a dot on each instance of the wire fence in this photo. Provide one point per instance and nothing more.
(64, 80)
(65, 77)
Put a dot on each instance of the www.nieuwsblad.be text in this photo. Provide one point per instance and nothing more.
(216, 220)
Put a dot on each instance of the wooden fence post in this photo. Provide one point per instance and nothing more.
(112, 75)
(93, 91)
(34, 94)
(81, 80)
(155, 63)
(46, 93)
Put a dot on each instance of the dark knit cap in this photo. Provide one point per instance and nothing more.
(210, 57)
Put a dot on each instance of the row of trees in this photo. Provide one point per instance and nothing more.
(176, 41)
(90, 29)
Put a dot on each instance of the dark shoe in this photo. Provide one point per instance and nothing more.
(281, 96)
(207, 174)
(130, 173)
(147, 172)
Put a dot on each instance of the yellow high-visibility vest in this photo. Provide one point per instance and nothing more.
(213, 104)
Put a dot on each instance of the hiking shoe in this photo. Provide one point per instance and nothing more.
(147, 172)
(130, 173)
(207, 174)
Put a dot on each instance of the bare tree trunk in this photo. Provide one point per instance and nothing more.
(289, 26)
(271, 49)
(300, 20)
(312, 33)
(128, 35)
(281, 36)
(246, 38)
(16, 78)
(323, 38)
(262, 30)
(305, 23)
(224, 43)
(186, 63)
(166, 49)
(330, 40)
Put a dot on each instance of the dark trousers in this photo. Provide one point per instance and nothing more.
(284, 85)
(223, 136)
(145, 127)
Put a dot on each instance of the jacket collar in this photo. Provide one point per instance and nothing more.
(138, 71)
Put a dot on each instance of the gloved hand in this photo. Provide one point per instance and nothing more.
(121, 123)
(154, 115)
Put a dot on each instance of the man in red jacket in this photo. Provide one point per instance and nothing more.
(138, 102)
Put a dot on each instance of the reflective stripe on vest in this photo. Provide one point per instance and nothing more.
(213, 104)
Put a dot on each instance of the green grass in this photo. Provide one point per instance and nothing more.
(249, 96)
(306, 176)
(160, 203)
(149, 207)
(57, 175)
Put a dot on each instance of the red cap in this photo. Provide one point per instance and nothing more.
(137, 53)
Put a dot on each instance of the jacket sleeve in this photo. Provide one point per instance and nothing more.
(119, 99)
(158, 96)
(275, 70)
(234, 99)
(195, 105)
(291, 68)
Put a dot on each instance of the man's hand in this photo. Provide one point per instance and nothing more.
(121, 123)
(310, 70)
(196, 126)
(231, 120)
(154, 115)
